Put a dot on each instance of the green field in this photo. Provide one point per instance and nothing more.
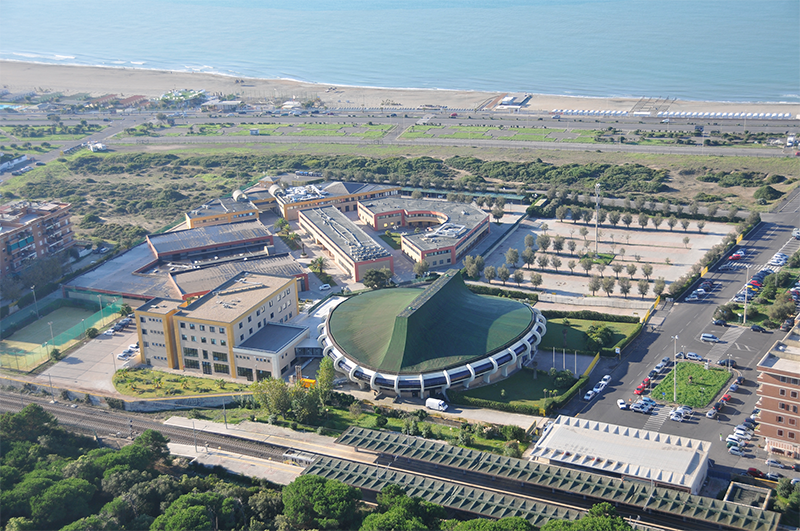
(519, 388)
(703, 389)
(576, 334)
(146, 383)
(393, 240)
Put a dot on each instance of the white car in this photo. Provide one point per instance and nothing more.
(691, 298)
(133, 347)
(599, 387)
(622, 404)
(677, 417)
(606, 379)
(773, 462)
(109, 332)
(660, 366)
(588, 396)
(733, 450)
(325, 287)
(712, 413)
(694, 356)
(742, 435)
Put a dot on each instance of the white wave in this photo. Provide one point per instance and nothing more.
(21, 54)
(62, 57)
(137, 62)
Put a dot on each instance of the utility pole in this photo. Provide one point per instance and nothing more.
(675, 368)
(194, 433)
(35, 304)
(52, 339)
(596, 215)
(746, 293)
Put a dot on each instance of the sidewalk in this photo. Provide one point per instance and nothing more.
(245, 465)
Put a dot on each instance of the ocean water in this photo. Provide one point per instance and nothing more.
(721, 50)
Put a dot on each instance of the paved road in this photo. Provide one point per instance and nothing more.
(688, 321)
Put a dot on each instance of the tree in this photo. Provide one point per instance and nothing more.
(313, 502)
(558, 243)
(272, 395)
(685, 224)
(497, 214)
(672, 221)
(602, 214)
(529, 240)
(625, 286)
(587, 215)
(421, 268)
(586, 264)
(543, 260)
(712, 210)
(55, 354)
(536, 279)
(376, 278)
(281, 225)
(594, 284)
(519, 277)
(528, 257)
(614, 217)
(686, 241)
(325, 376)
(627, 219)
(657, 220)
(555, 262)
(608, 285)
(416, 194)
(561, 212)
(155, 442)
(583, 232)
(658, 286)
(601, 266)
(490, 273)
(125, 309)
(571, 265)
(647, 270)
(571, 245)
(700, 225)
(62, 503)
(293, 238)
(577, 214)
(643, 220)
(643, 285)
(543, 241)
(503, 274)
(512, 257)
(631, 270)
(318, 264)
(617, 268)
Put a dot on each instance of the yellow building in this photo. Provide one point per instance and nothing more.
(239, 330)
(341, 195)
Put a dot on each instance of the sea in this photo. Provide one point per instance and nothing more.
(713, 50)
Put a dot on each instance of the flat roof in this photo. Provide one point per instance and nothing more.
(273, 337)
(211, 276)
(160, 306)
(234, 298)
(312, 192)
(622, 450)
(344, 233)
(189, 239)
(223, 205)
(461, 219)
(781, 358)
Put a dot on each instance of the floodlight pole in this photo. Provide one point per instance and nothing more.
(746, 294)
(675, 369)
(52, 339)
(35, 303)
(100, 302)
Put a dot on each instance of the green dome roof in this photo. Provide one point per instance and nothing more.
(415, 330)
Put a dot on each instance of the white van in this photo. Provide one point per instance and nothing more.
(436, 404)
(710, 338)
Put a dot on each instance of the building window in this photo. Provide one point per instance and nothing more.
(190, 352)
(781, 405)
(202, 340)
(194, 338)
(213, 341)
(794, 409)
(779, 419)
(791, 435)
(221, 369)
(220, 356)
(792, 422)
(211, 329)
(780, 433)
(250, 331)
(793, 394)
(221, 329)
(183, 337)
(249, 318)
(202, 328)
(247, 373)
(222, 342)
(191, 364)
(240, 326)
(191, 326)
(272, 315)
(782, 392)
(183, 325)
(241, 337)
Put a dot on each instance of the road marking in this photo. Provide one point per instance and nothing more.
(655, 421)
(718, 351)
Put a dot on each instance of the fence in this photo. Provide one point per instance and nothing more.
(21, 353)
(595, 301)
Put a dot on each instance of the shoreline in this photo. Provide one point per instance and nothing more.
(21, 76)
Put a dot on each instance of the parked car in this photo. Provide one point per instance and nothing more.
(325, 287)
(640, 408)
(691, 298)
(649, 401)
(787, 325)
(677, 417)
(709, 338)
(639, 390)
(109, 332)
(588, 396)
(773, 462)
(665, 360)
(646, 381)
(727, 362)
(742, 435)
(774, 476)
(744, 428)
(123, 356)
(718, 322)
(756, 473)
(733, 388)
(598, 388)
(718, 406)
(622, 404)
(680, 355)
(735, 450)
(712, 413)
(735, 256)
(725, 398)
(694, 356)
(606, 379)
(652, 374)
(756, 328)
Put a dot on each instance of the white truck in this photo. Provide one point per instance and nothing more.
(436, 404)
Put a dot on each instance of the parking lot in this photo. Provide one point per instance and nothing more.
(679, 327)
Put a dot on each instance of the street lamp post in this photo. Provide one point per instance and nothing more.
(746, 294)
(100, 302)
(52, 339)
(596, 214)
(675, 368)
(35, 303)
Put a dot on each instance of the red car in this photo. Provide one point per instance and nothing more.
(646, 382)
(756, 473)
(756, 283)
(725, 398)
(735, 256)
(638, 391)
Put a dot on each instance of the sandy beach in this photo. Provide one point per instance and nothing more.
(124, 82)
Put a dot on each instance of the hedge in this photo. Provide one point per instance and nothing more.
(589, 315)
(525, 409)
(499, 292)
(559, 401)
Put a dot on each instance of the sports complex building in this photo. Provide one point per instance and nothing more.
(415, 341)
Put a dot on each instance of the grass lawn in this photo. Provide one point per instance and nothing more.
(520, 388)
(576, 334)
(145, 384)
(393, 240)
(704, 388)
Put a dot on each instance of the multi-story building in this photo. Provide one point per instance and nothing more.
(343, 196)
(239, 330)
(350, 248)
(31, 231)
(450, 229)
(779, 397)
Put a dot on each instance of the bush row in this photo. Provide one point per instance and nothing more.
(589, 315)
(499, 292)
(525, 409)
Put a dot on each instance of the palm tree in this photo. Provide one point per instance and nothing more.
(318, 264)
(293, 238)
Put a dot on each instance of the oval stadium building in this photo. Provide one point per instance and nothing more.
(417, 341)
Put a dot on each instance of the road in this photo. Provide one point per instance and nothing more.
(687, 321)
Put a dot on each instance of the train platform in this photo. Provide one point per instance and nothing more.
(278, 472)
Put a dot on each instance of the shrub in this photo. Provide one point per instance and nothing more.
(380, 421)
(115, 403)
(92, 333)
(511, 449)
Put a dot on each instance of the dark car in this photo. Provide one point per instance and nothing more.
(680, 355)
(787, 325)
(727, 363)
(796, 467)
(653, 373)
(718, 406)
(756, 328)
(718, 322)
(740, 380)
(756, 473)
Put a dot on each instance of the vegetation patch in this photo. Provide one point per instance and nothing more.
(147, 383)
(697, 387)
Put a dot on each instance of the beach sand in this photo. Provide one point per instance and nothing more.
(124, 82)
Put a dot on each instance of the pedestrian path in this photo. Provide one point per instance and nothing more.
(657, 419)
(730, 336)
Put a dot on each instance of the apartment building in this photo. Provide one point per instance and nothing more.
(779, 397)
(32, 231)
